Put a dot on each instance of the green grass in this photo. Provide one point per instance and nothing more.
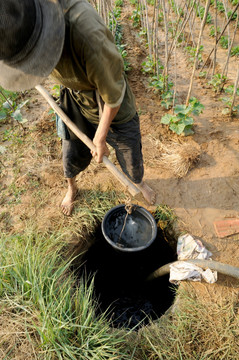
(198, 329)
(90, 208)
(36, 283)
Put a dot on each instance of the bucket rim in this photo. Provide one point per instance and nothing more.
(143, 211)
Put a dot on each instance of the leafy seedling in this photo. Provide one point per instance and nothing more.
(181, 122)
(228, 101)
(167, 101)
(217, 82)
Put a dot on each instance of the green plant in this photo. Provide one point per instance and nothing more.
(200, 13)
(58, 311)
(160, 83)
(10, 106)
(177, 9)
(171, 28)
(167, 101)
(192, 52)
(12, 136)
(235, 51)
(143, 33)
(230, 89)
(213, 32)
(124, 54)
(164, 216)
(224, 42)
(117, 12)
(151, 67)
(160, 17)
(56, 91)
(220, 7)
(181, 122)
(113, 24)
(234, 16)
(217, 82)
(136, 18)
(202, 74)
(228, 100)
(119, 3)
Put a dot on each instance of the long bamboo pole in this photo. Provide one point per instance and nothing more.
(148, 28)
(230, 44)
(235, 89)
(197, 50)
(110, 166)
(215, 50)
(166, 45)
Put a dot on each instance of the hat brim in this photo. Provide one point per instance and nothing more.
(44, 56)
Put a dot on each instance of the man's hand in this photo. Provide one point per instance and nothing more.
(101, 150)
(101, 133)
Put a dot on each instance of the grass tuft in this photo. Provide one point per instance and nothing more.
(54, 312)
(197, 329)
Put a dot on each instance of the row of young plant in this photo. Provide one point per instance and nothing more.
(111, 13)
(181, 120)
(225, 41)
(218, 81)
(221, 8)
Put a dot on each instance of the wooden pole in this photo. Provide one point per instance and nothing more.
(235, 89)
(215, 50)
(110, 166)
(197, 50)
(230, 44)
(166, 46)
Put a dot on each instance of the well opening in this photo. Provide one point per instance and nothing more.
(120, 281)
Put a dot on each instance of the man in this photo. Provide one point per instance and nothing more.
(69, 40)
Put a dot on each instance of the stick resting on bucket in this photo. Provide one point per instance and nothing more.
(133, 190)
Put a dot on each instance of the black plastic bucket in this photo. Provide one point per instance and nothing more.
(129, 232)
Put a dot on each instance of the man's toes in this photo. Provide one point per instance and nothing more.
(153, 198)
(67, 209)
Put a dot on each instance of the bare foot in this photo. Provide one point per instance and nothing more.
(67, 204)
(148, 193)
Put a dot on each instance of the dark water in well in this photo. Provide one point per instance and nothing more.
(129, 230)
(120, 282)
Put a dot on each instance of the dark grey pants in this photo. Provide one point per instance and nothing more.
(124, 138)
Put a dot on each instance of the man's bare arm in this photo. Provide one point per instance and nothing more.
(99, 140)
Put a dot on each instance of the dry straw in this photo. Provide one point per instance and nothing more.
(179, 158)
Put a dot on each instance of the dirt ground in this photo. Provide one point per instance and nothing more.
(208, 192)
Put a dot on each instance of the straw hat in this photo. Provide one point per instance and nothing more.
(31, 41)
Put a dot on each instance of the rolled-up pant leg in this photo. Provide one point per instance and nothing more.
(126, 140)
(76, 157)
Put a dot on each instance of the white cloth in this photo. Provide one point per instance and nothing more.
(190, 248)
